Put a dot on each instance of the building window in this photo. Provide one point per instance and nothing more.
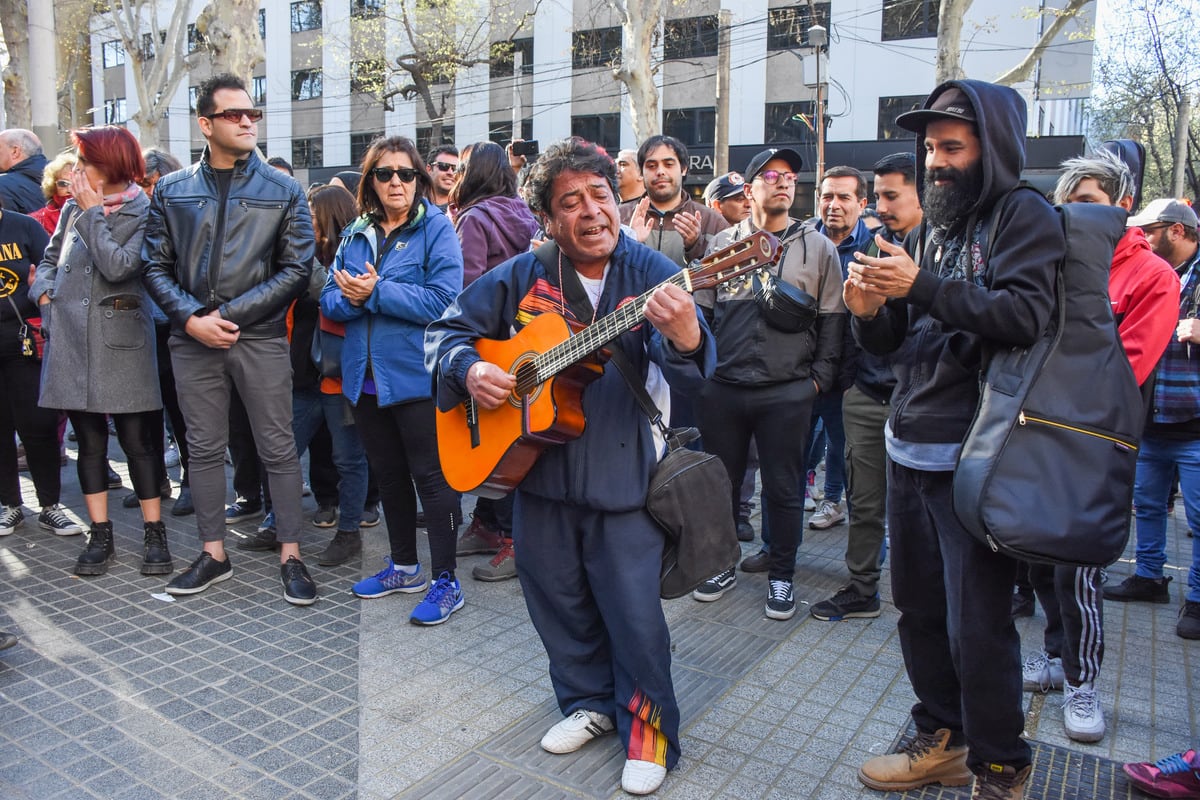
(262, 23)
(791, 123)
(195, 39)
(692, 126)
(910, 19)
(892, 107)
(196, 154)
(692, 37)
(601, 129)
(114, 111)
(598, 47)
(504, 55)
(787, 28)
(359, 142)
(306, 15)
(114, 53)
(367, 75)
(146, 51)
(425, 138)
(258, 90)
(502, 132)
(307, 153)
(366, 8)
(306, 84)
(193, 95)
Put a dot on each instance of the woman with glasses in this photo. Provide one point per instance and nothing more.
(399, 266)
(100, 353)
(56, 188)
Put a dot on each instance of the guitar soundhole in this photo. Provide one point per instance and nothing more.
(529, 383)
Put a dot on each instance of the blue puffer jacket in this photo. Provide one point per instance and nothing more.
(419, 276)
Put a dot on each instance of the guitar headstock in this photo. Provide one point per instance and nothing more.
(757, 250)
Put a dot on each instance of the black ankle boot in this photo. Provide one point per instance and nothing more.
(157, 558)
(99, 551)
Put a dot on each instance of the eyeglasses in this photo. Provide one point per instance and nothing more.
(62, 184)
(772, 176)
(444, 167)
(384, 174)
(1157, 226)
(235, 115)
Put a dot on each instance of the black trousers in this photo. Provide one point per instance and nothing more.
(20, 382)
(776, 418)
(401, 443)
(170, 398)
(140, 436)
(961, 648)
(1074, 606)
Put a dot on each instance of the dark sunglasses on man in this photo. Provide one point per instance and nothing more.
(444, 167)
(235, 115)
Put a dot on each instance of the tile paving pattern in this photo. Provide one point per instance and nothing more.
(234, 693)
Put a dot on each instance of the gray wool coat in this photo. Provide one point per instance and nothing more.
(100, 347)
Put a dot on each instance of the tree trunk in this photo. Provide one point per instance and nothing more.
(14, 17)
(231, 29)
(641, 20)
(949, 40)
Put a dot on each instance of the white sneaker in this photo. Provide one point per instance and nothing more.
(576, 730)
(54, 518)
(642, 777)
(10, 518)
(809, 503)
(1040, 673)
(1083, 718)
(828, 514)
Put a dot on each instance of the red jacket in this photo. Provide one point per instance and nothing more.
(1145, 300)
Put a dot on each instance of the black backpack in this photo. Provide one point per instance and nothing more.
(1046, 470)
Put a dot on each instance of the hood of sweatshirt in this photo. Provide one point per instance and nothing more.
(511, 218)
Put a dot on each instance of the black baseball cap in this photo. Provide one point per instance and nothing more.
(759, 161)
(950, 104)
(724, 187)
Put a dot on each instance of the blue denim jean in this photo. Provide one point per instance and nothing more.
(1157, 461)
(828, 409)
(309, 409)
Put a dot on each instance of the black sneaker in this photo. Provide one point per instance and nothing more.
(204, 572)
(715, 587)
(1189, 621)
(344, 546)
(846, 604)
(298, 588)
(114, 480)
(781, 603)
(1022, 605)
(183, 505)
(759, 562)
(259, 541)
(243, 509)
(745, 531)
(1135, 588)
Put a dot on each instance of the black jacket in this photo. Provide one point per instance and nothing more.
(262, 262)
(938, 333)
(21, 185)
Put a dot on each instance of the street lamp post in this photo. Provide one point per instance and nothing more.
(818, 37)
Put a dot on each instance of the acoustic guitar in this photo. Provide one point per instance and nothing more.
(487, 452)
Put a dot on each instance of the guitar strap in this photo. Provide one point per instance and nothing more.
(576, 297)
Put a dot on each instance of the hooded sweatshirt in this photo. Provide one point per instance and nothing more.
(939, 332)
(1145, 301)
(491, 231)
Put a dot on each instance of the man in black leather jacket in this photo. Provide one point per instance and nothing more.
(229, 244)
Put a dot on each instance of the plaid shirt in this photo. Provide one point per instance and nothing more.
(1177, 386)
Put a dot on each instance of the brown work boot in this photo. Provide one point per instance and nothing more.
(479, 537)
(924, 759)
(997, 782)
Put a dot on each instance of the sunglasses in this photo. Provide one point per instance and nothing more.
(384, 174)
(444, 167)
(62, 184)
(772, 176)
(235, 115)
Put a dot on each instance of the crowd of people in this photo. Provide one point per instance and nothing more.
(176, 304)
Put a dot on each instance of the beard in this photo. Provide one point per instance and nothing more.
(945, 204)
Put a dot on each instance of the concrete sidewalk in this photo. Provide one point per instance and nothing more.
(115, 693)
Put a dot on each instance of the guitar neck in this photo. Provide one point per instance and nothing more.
(602, 332)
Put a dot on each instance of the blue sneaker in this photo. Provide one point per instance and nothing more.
(443, 599)
(389, 580)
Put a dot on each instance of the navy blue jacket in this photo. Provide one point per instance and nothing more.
(21, 185)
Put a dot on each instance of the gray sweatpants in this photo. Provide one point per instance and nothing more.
(262, 372)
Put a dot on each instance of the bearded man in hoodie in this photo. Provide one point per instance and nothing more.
(937, 309)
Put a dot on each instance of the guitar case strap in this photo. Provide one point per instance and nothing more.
(575, 295)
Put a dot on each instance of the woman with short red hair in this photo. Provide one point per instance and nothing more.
(100, 349)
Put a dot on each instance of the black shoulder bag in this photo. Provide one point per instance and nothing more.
(689, 496)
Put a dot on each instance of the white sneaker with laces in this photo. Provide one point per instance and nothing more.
(828, 514)
(1083, 718)
(54, 518)
(1040, 673)
(10, 518)
(576, 730)
(642, 777)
